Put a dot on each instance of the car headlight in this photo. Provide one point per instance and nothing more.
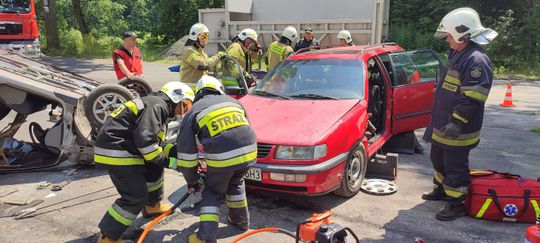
(300, 152)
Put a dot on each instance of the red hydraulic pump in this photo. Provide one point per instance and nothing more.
(532, 235)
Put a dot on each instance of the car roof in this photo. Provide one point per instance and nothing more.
(349, 52)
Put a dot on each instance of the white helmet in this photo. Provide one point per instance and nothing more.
(178, 91)
(464, 24)
(197, 29)
(290, 33)
(345, 34)
(248, 33)
(209, 82)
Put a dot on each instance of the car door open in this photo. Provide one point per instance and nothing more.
(230, 73)
(414, 75)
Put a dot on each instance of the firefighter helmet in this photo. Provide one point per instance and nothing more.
(290, 33)
(248, 33)
(178, 91)
(196, 30)
(345, 34)
(464, 24)
(209, 82)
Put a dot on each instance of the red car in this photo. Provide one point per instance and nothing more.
(311, 115)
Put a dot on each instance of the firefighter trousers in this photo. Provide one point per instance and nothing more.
(451, 172)
(138, 185)
(228, 183)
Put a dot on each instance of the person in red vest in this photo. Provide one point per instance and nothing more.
(127, 59)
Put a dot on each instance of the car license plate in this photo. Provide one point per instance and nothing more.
(254, 174)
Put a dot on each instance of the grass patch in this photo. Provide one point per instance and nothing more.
(536, 130)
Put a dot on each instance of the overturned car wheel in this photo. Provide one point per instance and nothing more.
(354, 173)
(138, 86)
(101, 102)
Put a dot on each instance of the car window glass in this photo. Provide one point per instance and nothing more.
(229, 72)
(342, 79)
(413, 67)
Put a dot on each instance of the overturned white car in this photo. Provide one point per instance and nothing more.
(28, 86)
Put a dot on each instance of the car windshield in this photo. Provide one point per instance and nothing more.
(14, 6)
(314, 79)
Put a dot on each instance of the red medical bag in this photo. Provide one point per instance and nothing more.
(503, 197)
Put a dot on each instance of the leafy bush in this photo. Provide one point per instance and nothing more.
(72, 42)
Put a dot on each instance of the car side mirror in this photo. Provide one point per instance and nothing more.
(235, 90)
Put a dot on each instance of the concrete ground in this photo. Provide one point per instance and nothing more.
(72, 215)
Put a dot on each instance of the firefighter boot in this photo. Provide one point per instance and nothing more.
(451, 212)
(437, 194)
(194, 239)
(244, 226)
(155, 210)
(105, 239)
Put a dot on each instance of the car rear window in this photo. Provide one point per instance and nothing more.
(333, 78)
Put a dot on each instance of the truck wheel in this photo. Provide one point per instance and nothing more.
(138, 86)
(354, 172)
(101, 102)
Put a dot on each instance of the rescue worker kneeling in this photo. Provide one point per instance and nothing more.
(131, 147)
(219, 122)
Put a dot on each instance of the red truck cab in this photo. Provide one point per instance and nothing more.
(18, 27)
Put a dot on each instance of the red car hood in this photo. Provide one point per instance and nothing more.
(293, 122)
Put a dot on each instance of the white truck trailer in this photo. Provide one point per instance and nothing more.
(367, 20)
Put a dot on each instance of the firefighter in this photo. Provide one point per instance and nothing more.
(458, 108)
(280, 50)
(345, 38)
(220, 124)
(245, 49)
(195, 62)
(307, 41)
(131, 146)
(127, 59)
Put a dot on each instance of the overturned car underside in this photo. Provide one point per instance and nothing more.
(78, 106)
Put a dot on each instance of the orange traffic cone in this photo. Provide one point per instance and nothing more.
(507, 102)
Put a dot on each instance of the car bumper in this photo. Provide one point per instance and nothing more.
(29, 48)
(321, 178)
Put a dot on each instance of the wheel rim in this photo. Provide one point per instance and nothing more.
(137, 90)
(354, 170)
(105, 104)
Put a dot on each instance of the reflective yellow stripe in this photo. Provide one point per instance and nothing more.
(229, 81)
(455, 192)
(475, 95)
(132, 106)
(209, 218)
(118, 217)
(118, 110)
(536, 207)
(156, 187)
(457, 116)
(188, 163)
(173, 163)
(452, 80)
(450, 87)
(439, 177)
(225, 122)
(161, 135)
(233, 161)
(277, 49)
(239, 204)
(167, 149)
(153, 155)
(484, 208)
(117, 161)
(455, 142)
(204, 120)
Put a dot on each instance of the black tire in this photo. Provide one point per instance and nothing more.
(138, 86)
(108, 92)
(4, 110)
(357, 158)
